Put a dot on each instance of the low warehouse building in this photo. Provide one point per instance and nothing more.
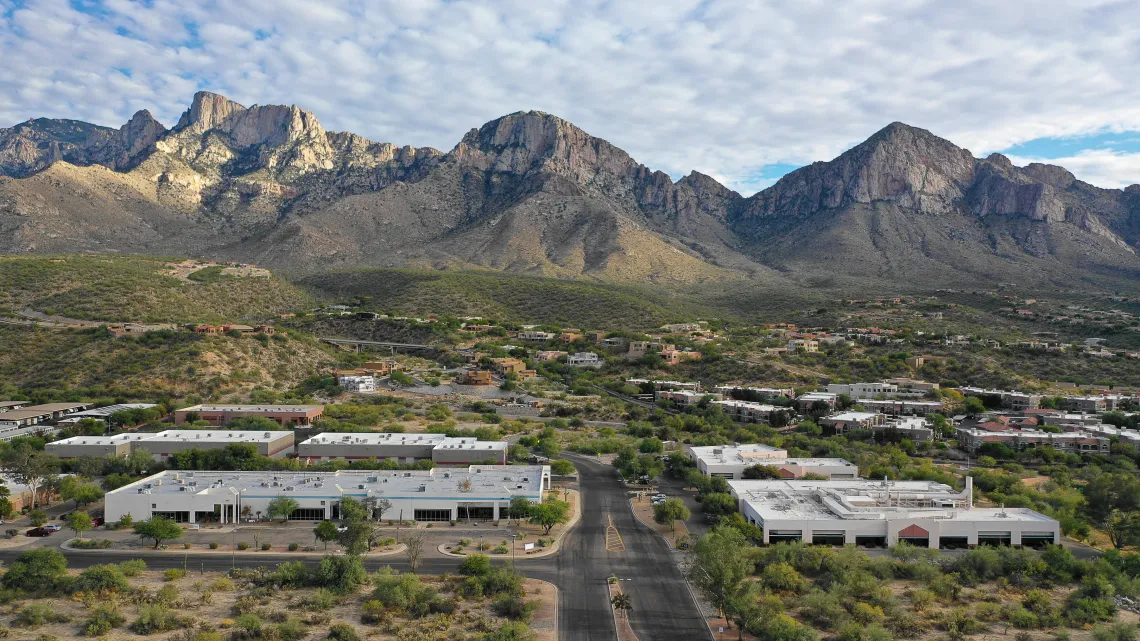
(883, 513)
(403, 448)
(222, 414)
(476, 493)
(730, 461)
(162, 444)
(118, 446)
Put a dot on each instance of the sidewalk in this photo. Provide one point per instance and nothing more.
(575, 516)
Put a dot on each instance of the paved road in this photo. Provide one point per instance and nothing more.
(663, 609)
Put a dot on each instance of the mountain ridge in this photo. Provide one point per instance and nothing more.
(530, 192)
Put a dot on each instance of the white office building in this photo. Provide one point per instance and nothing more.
(730, 461)
(403, 448)
(475, 493)
(882, 513)
(162, 444)
(861, 390)
(584, 359)
(353, 383)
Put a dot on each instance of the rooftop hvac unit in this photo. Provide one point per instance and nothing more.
(276, 484)
(182, 489)
(264, 484)
(266, 435)
(193, 484)
(373, 479)
(189, 475)
(158, 481)
(423, 488)
(360, 487)
(318, 484)
(289, 488)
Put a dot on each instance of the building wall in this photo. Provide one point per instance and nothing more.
(279, 447)
(890, 529)
(76, 450)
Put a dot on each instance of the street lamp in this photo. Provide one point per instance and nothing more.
(513, 537)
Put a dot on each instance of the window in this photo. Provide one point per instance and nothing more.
(432, 515)
(308, 514)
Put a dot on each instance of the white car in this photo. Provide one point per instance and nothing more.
(659, 497)
(53, 528)
(342, 528)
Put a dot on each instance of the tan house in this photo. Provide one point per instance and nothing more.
(475, 377)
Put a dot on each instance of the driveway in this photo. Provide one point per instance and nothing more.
(663, 608)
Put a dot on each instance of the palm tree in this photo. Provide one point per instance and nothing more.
(622, 603)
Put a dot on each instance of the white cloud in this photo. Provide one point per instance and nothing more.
(1101, 167)
(723, 86)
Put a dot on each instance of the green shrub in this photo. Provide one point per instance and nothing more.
(510, 631)
(247, 626)
(321, 599)
(102, 620)
(101, 578)
(1019, 617)
(291, 629)
(987, 611)
(464, 542)
(91, 544)
(500, 549)
(342, 632)
(155, 618)
(783, 577)
(173, 574)
(514, 607)
(36, 570)
(185, 546)
(475, 565)
(373, 612)
(36, 614)
(213, 545)
(133, 567)
(341, 574)
(265, 547)
(222, 584)
(1115, 632)
(242, 545)
(293, 547)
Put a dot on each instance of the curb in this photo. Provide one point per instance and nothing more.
(66, 545)
(550, 551)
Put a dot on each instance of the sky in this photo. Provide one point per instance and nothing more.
(744, 91)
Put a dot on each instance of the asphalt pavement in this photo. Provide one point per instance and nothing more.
(663, 608)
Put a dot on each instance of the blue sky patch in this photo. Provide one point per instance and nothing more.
(1123, 141)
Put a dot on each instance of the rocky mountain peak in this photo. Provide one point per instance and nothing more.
(207, 111)
(526, 141)
(1059, 177)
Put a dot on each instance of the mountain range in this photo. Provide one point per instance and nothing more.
(531, 193)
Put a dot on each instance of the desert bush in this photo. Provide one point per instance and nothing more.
(102, 620)
(34, 615)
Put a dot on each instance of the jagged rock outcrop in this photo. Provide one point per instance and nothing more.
(530, 192)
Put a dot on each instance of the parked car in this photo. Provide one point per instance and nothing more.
(39, 531)
(342, 528)
(53, 527)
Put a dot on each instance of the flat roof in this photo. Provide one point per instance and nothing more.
(817, 396)
(111, 409)
(485, 482)
(374, 438)
(850, 416)
(216, 436)
(13, 403)
(441, 441)
(102, 440)
(251, 408)
(759, 407)
(867, 499)
(15, 415)
(58, 407)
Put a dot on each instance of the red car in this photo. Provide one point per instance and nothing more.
(39, 531)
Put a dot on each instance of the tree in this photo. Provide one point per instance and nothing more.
(414, 549)
(562, 467)
(29, 466)
(718, 567)
(974, 405)
(520, 507)
(326, 533)
(1112, 501)
(36, 570)
(718, 503)
(549, 513)
(622, 604)
(79, 522)
(759, 471)
(282, 506)
(85, 494)
(671, 511)
(158, 528)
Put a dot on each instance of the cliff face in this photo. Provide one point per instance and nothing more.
(530, 192)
